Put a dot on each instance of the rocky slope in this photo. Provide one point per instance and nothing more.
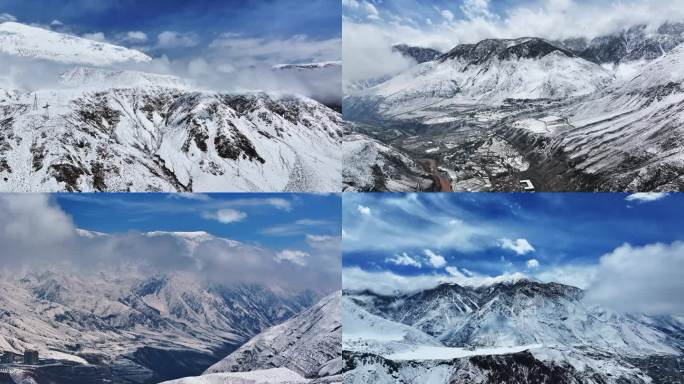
(166, 139)
(308, 344)
(370, 165)
(419, 54)
(304, 349)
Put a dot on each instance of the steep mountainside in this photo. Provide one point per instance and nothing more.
(370, 165)
(33, 42)
(515, 332)
(308, 344)
(629, 136)
(490, 71)
(166, 139)
(631, 44)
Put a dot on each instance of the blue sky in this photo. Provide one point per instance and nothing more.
(570, 236)
(271, 220)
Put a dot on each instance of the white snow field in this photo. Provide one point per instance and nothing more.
(28, 41)
(264, 376)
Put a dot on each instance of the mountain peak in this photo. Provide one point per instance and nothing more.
(504, 49)
(33, 42)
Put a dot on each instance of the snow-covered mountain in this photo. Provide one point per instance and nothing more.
(324, 65)
(167, 139)
(635, 43)
(419, 54)
(600, 115)
(370, 165)
(515, 332)
(304, 349)
(490, 71)
(38, 43)
(629, 136)
(125, 326)
(104, 129)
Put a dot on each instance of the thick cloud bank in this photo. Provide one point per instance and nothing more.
(37, 235)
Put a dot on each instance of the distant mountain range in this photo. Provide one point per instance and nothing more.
(138, 329)
(517, 331)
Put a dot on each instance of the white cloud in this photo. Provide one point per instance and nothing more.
(172, 39)
(243, 51)
(646, 197)
(436, 260)
(322, 242)
(37, 235)
(476, 8)
(580, 276)
(447, 14)
(373, 13)
(353, 4)
(648, 279)
(137, 36)
(296, 228)
(532, 264)
(5, 17)
(404, 259)
(190, 196)
(519, 246)
(368, 54)
(97, 36)
(225, 216)
(364, 210)
(292, 256)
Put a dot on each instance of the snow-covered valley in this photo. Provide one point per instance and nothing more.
(603, 115)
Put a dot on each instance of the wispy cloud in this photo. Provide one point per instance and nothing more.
(646, 197)
(298, 227)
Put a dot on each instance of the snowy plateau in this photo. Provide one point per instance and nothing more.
(127, 327)
(574, 115)
(98, 127)
(513, 331)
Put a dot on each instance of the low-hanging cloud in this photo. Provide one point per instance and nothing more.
(647, 279)
(37, 235)
(231, 63)
(367, 42)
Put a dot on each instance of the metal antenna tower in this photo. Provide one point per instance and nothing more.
(35, 101)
